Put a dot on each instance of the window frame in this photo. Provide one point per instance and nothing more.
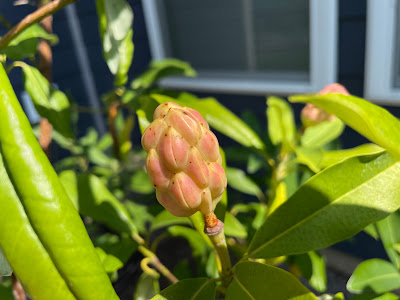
(380, 53)
(323, 57)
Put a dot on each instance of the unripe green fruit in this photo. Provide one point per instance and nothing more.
(183, 161)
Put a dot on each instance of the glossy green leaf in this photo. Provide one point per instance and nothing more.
(253, 280)
(160, 69)
(115, 23)
(340, 204)
(92, 198)
(5, 268)
(25, 44)
(50, 103)
(372, 121)
(375, 275)
(333, 157)
(193, 289)
(165, 218)
(317, 159)
(40, 210)
(387, 296)
(313, 268)
(281, 125)
(125, 54)
(389, 233)
(146, 287)
(219, 117)
(321, 134)
(233, 227)
(238, 180)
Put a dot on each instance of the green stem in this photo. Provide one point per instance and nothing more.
(153, 259)
(217, 237)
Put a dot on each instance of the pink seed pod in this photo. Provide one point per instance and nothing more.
(312, 115)
(183, 161)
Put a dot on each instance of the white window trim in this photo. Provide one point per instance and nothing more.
(323, 57)
(380, 56)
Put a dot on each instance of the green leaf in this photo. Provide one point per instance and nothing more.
(6, 292)
(338, 296)
(374, 274)
(38, 220)
(387, 296)
(197, 220)
(193, 289)
(233, 227)
(340, 204)
(389, 233)
(253, 280)
(25, 44)
(92, 198)
(372, 121)
(312, 158)
(333, 157)
(317, 159)
(146, 287)
(5, 268)
(140, 183)
(199, 247)
(110, 263)
(321, 134)
(122, 247)
(165, 218)
(160, 69)
(313, 268)
(219, 117)
(125, 54)
(140, 216)
(372, 231)
(220, 209)
(281, 125)
(115, 23)
(238, 180)
(50, 103)
(144, 111)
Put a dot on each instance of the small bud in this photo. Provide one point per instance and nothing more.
(312, 115)
(183, 161)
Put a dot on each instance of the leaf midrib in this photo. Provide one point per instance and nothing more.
(319, 210)
(244, 288)
(200, 289)
(380, 277)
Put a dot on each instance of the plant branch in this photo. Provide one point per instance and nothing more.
(153, 259)
(217, 237)
(33, 18)
(18, 290)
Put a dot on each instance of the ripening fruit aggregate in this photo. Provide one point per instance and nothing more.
(183, 161)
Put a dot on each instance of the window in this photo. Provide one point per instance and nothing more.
(382, 61)
(247, 46)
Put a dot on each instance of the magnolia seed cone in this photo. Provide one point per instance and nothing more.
(183, 161)
(312, 115)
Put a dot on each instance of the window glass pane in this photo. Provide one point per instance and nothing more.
(396, 75)
(250, 37)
